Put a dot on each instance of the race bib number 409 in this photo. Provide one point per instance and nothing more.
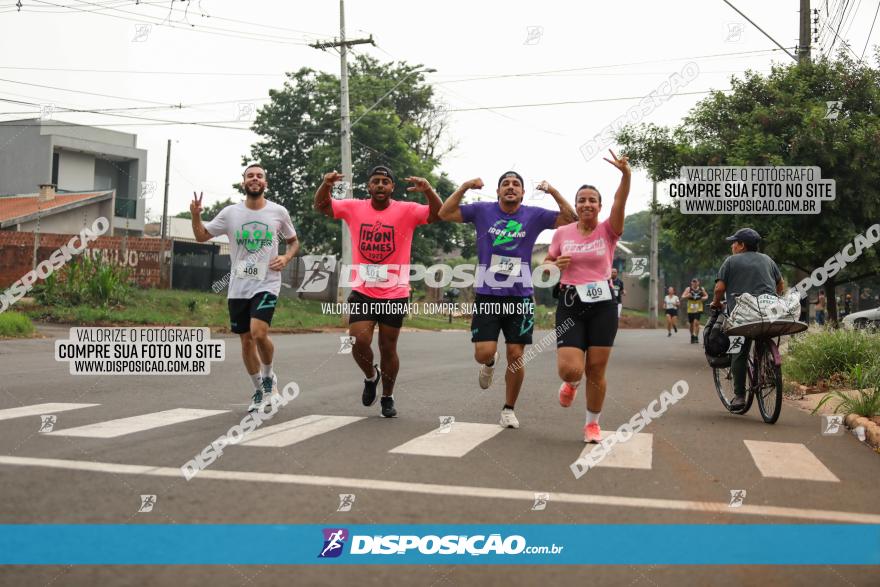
(598, 291)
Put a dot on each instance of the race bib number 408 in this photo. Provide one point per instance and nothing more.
(250, 270)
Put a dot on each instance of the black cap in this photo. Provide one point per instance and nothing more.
(511, 174)
(745, 235)
(381, 170)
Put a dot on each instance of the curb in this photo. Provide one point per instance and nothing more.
(872, 430)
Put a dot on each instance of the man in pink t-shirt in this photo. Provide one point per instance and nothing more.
(381, 236)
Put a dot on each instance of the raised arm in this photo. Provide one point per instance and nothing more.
(566, 215)
(450, 211)
(195, 210)
(420, 184)
(618, 208)
(323, 197)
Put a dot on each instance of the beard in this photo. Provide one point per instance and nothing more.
(254, 194)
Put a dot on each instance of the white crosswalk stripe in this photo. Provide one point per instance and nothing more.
(40, 409)
(788, 460)
(298, 430)
(461, 438)
(123, 426)
(636, 453)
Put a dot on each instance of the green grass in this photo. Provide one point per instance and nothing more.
(13, 324)
(820, 355)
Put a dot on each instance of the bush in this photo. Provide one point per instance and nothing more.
(822, 354)
(15, 324)
(85, 281)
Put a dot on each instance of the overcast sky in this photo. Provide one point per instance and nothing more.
(218, 54)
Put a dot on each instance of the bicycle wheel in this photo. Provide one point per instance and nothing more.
(768, 388)
(724, 388)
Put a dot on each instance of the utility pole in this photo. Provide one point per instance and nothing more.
(652, 293)
(345, 128)
(805, 37)
(162, 262)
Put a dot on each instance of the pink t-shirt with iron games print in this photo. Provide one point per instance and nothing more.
(381, 241)
(591, 255)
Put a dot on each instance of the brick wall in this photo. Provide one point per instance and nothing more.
(141, 255)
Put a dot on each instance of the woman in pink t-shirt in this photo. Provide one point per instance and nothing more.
(586, 314)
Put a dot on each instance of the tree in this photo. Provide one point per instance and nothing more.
(780, 120)
(404, 130)
(208, 213)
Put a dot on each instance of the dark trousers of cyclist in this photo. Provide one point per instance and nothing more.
(739, 366)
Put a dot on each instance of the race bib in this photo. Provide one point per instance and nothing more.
(255, 270)
(374, 273)
(505, 265)
(695, 306)
(598, 291)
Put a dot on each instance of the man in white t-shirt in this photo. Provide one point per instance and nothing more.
(254, 228)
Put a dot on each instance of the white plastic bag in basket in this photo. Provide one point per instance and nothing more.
(763, 309)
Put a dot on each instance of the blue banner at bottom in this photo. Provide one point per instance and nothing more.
(594, 544)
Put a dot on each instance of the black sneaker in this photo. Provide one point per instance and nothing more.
(368, 398)
(737, 402)
(676, 329)
(388, 410)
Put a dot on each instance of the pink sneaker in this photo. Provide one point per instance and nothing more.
(592, 433)
(567, 391)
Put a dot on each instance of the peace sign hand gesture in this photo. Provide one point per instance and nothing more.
(195, 207)
(622, 164)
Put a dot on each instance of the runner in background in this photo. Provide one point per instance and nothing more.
(253, 227)
(381, 231)
(695, 295)
(617, 290)
(506, 234)
(671, 302)
(586, 313)
(820, 309)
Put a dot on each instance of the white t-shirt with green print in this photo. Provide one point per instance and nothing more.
(253, 243)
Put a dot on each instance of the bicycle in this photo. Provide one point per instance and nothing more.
(764, 369)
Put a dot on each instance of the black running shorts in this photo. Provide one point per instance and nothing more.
(364, 308)
(241, 310)
(694, 316)
(513, 315)
(584, 325)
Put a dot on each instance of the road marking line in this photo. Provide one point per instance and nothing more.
(460, 439)
(635, 453)
(705, 507)
(123, 426)
(788, 460)
(40, 409)
(288, 433)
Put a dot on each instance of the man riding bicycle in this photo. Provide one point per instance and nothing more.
(745, 271)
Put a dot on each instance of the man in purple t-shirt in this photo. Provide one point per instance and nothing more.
(506, 233)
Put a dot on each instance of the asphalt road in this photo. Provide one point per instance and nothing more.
(682, 469)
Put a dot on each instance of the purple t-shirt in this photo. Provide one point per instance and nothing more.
(502, 239)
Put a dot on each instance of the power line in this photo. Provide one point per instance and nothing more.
(571, 102)
(204, 29)
(868, 40)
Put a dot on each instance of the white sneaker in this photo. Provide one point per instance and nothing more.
(508, 419)
(487, 372)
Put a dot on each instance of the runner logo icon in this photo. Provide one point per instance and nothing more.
(334, 541)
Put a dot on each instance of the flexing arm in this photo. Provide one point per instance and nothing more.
(566, 215)
(420, 184)
(195, 210)
(323, 196)
(450, 211)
